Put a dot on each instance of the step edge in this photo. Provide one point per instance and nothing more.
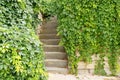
(56, 60)
(55, 52)
(52, 45)
(50, 40)
(56, 68)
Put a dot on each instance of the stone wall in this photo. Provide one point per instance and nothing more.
(88, 68)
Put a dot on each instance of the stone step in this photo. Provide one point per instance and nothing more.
(50, 41)
(50, 25)
(55, 55)
(57, 70)
(48, 36)
(48, 31)
(53, 48)
(56, 63)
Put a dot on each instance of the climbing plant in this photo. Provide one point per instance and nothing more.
(88, 27)
(21, 53)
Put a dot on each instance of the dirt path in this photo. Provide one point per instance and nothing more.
(79, 77)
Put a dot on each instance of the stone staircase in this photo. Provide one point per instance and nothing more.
(55, 56)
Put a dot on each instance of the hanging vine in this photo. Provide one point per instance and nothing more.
(91, 27)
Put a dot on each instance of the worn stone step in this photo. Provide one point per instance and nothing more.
(55, 55)
(48, 36)
(56, 63)
(52, 23)
(50, 41)
(57, 70)
(48, 31)
(53, 48)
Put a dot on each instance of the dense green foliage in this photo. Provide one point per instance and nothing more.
(89, 27)
(21, 53)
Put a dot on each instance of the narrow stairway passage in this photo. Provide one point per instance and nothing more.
(55, 56)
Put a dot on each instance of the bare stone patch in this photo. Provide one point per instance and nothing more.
(79, 77)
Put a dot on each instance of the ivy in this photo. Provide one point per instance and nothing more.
(89, 27)
(99, 68)
(21, 52)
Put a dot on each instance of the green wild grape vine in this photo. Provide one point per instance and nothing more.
(90, 27)
(21, 52)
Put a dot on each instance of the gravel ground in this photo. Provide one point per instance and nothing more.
(79, 77)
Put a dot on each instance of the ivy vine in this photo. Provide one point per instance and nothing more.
(89, 27)
(21, 52)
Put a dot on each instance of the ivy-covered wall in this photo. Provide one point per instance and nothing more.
(89, 27)
(90, 68)
(21, 53)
